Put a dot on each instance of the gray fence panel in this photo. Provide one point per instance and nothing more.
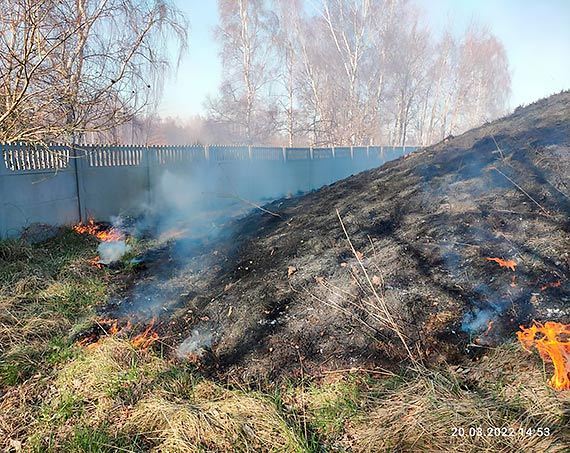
(42, 196)
(297, 171)
(360, 159)
(56, 185)
(323, 167)
(112, 181)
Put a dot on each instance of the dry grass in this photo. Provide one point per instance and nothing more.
(427, 413)
(124, 390)
(98, 388)
(234, 421)
(56, 397)
(44, 289)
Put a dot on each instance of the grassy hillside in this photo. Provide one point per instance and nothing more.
(57, 396)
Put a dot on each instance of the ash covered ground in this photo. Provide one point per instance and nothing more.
(273, 293)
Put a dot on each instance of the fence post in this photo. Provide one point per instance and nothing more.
(3, 159)
(284, 151)
(78, 181)
(146, 163)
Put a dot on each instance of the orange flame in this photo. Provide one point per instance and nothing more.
(95, 262)
(550, 285)
(508, 264)
(513, 278)
(143, 340)
(88, 341)
(90, 228)
(553, 345)
(114, 329)
(489, 326)
(112, 234)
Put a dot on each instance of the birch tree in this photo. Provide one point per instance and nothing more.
(289, 16)
(247, 57)
(353, 72)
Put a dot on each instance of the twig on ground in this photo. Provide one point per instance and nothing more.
(545, 212)
(498, 148)
(361, 370)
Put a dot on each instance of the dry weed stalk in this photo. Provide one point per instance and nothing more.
(544, 211)
(384, 316)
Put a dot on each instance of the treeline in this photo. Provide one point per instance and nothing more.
(345, 72)
(295, 72)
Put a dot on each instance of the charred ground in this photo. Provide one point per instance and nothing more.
(284, 292)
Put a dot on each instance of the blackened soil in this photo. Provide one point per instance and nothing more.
(284, 293)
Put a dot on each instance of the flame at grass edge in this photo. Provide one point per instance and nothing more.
(553, 345)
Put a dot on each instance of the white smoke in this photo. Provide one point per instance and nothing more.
(112, 251)
(195, 343)
(478, 321)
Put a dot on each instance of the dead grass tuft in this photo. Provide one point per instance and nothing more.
(106, 369)
(233, 421)
(16, 409)
(428, 412)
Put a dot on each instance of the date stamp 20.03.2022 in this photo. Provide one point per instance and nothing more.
(499, 431)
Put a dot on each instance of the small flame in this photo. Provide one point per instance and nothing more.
(95, 262)
(114, 329)
(110, 235)
(503, 263)
(489, 326)
(553, 345)
(109, 326)
(90, 228)
(551, 285)
(513, 278)
(144, 340)
(88, 341)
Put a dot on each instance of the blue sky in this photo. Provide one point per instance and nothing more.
(199, 74)
(535, 33)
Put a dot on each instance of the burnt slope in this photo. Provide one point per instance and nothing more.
(288, 290)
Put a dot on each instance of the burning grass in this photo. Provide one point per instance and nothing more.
(552, 341)
(55, 396)
(101, 233)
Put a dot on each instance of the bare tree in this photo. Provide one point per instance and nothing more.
(408, 76)
(287, 49)
(483, 79)
(76, 66)
(247, 55)
(353, 72)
